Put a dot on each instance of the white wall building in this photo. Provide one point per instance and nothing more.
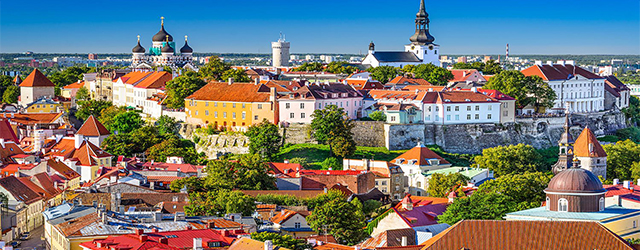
(460, 107)
(421, 50)
(298, 106)
(583, 90)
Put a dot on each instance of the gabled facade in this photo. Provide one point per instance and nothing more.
(299, 105)
(33, 87)
(460, 107)
(617, 94)
(415, 163)
(389, 177)
(93, 131)
(590, 153)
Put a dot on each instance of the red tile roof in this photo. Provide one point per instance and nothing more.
(75, 85)
(33, 118)
(287, 169)
(172, 240)
(164, 166)
(558, 72)
(134, 77)
(6, 131)
(496, 94)
(421, 154)
(62, 169)
(587, 145)
(461, 75)
(155, 80)
(92, 127)
(532, 235)
(236, 92)
(36, 79)
(19, 190)
(87, 154)
(282, 216)
(296, 193)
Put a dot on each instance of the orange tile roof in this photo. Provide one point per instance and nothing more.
(75, 85)
(155, 80)
(87, 152)
(10, 148)
(250, 244)
(408, 80)
(532, 235)
(457, 97)
(63, 148)
(134, 77)
(92, 127)
(396, 94)
(424, 87)
(236, 92)
(587, 145)
(332, 246)
(296, 193)
(163, 178)
(461, 75)
(36, 79)
(421, 154)
(419, 201)
(35, 188)
(282, 216)
(33, 118)
(63, 169)
(558, 72)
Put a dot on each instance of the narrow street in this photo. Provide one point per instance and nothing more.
(35, 241)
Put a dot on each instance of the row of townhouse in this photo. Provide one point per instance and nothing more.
(433, 106)
(142, 90)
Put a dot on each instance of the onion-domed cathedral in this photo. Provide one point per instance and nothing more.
(163, 52)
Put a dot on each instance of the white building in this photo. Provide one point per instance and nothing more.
(298, 106)
(421, 50)
(141, 90)
(460, 107)
(583, 90)
(415, 164)
(280, 50)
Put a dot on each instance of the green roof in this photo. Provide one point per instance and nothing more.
(541, 213)
(466, 171)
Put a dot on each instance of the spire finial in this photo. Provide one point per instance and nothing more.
(167, 37)
(185, 38)
(162, 21)
(138, 38)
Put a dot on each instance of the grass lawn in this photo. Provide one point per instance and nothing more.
(315, 153)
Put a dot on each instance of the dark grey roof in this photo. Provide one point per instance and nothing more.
(382, 56)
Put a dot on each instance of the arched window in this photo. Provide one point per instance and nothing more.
(601, 203)
(563, 205)
(547, 203)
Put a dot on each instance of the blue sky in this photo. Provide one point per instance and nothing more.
(328, 26)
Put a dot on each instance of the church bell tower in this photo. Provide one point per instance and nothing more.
(422, 41)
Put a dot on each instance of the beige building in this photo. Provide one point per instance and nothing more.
(389, 177)
(27, 204)
(33, 87)
(507, 104)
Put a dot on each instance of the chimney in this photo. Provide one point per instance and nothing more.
(155, 230)
(268, 245)
(189, 227)
(226, 233)
(404, 241)
(211, 225)
(230, 82)
(139, 231)
(282, 212)
(197, 244)
(2, 142)
(286, 161)
(616, 181)
(164, 240)
(616, 200)
(257, 81)
(626, 184)
(143, 238)
(638, 181)
(464, 73)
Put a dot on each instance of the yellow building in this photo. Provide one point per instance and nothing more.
(234, 106)
(44, 105)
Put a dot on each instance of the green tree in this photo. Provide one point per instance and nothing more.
(620, 159)
(526, 190)
(345, 220)
(331, 124)
(145, 137)
(479, 206)
(433, 74)
(539, 93)
(511, 83)
(309, 67)
(82, 94)
(440, 185)
(331, 163)
(167, 125)
(285, 241)
(343, 146)
(219, 203)
(181, 87)
(264, 139)
(248, 172)
(193, 184)
(125, 122)
(491, 67)
(340, 67)
(238, 75)
(632, 112)
(119, 144)
(510, 159)
(304, 163)
(11, 94)
(107, 114)
(175, 147)
(91, 107)
(378, 116)
(212, 70)
(384, 74)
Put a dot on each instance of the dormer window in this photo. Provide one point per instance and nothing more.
(447, 100)
(467, 100)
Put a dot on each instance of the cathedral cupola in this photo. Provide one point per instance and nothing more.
(186, 48)
(138, 48)
(422, 36)
(162, 34)
(167, 47)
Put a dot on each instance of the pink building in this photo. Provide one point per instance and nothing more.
(298, 106)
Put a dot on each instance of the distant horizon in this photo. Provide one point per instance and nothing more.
(318, 53)
(332, 27)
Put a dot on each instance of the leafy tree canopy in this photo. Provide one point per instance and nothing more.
(525, 89)
(620, 158)
(238, 75)
(219, 203)
(491, 67)
(264, 139)
(249, 172)
(167, 125)
(378, 116)
(340, 67)
(332, 126)
(440, 185)
(479, 206)
(125, 122)
(309, 67)
(384, 74)
(11, 94)
(213, 69)
(433, 74)
(527, 189)
(285, 241)
(345, 220)
(175, 147)
(82, 94)
(91, 107)
(511, 159)
(181, 87)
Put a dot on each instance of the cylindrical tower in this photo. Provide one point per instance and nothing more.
(280, 50)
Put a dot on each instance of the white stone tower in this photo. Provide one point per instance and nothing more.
(422, 41)
(280, 50)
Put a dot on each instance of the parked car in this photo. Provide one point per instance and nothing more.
(15, 244)
(25, 236)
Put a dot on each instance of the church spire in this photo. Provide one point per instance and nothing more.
(422, 36)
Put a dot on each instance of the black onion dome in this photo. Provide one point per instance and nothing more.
(167, 48)
(138, 48)
(575, 180)
(186, 48)
(161, 36)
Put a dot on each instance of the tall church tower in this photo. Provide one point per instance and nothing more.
(565, 156)
(422, 41)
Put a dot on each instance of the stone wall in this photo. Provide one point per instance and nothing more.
(365, 133)
(218, 145)
(471, 139)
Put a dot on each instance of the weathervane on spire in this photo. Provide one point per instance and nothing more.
(138, 38)
(185, 38)
(162, 20)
